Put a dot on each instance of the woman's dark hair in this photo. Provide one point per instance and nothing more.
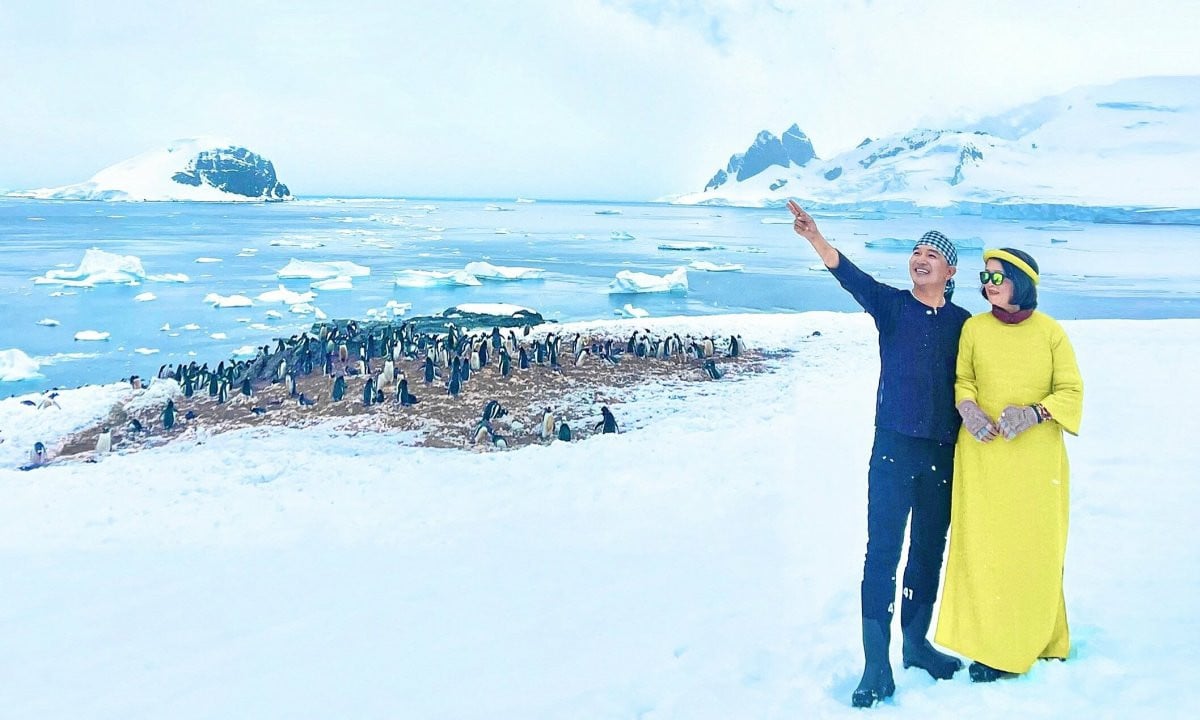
(1024, 291)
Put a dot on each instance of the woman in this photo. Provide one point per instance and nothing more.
(1017, 388)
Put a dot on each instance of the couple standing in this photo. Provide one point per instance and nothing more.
(969, 423)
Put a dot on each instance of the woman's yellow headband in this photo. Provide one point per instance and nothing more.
(1009, 257)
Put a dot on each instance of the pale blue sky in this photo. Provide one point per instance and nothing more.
(616, 99)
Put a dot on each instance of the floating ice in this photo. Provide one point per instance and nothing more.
(906, 244)
(145, 297)
(61, 293)
(634, 312)
(259, 326)
(628, 281)
(714, 267)
(219, 336)
(145, 351)
(303, 309)
(492, 309)
(338, 283)
(48, 322)
(98, 267)
(190, 326)
(165, 327)
(91, 335)
(208, 260)
(303, 245)
(285, 296)
(608, 212)
(620, 235)
(398, 308)
(818, 267)
(16, 366)
(686, 245)
(321, 270)
(245, 352)
(169, 277)
(274, 313)
(432, 278)
(488, 271)
(231, 301)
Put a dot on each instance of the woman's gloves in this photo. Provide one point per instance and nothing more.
(977, 422)
(1016, 419)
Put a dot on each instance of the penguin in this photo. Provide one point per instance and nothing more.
(213, 383)
(554, 358)
(539, 352)
(523, 358)
(289, 383)
(407, 398)
(222, 392)
(305, 402)
(258, 410)
(362, 367)
(168, 415)
(339, 388)
(37, 456)
(465, 371)
(380, 398)
(483, 355)
(104, 441)
(735, 346)
(369, 392)
(609, 423)
(247, 389)
(709, 348)
(135, 426)
(343, 353)
(548, 422)
(388, 376)
(188, 388)
(430, 373)
(492, 409)
(499, 441)
(455, 386)
(711, 369)
(483, 434)
(495, 338)
(579, 356)
(564, 432)
(528, 329)
(189, 415)
(327, 366)
(505, 364)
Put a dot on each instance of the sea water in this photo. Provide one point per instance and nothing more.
(1088, 270)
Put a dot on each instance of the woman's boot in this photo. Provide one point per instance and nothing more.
(918, 652)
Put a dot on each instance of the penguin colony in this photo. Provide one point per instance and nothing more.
(492, 389)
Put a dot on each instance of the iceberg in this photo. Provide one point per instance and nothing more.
(16, 366)
(686, 245)
(98, 267)
(634, 312)
(620, 235)
(488, 271)
(145, 297)
(219, 336)
(433, 278)
(340, 282)
(91, 335)
(628, 281)
(285, 296)
(230, 301)
(321, 270)
(48, 322)
(714, 267)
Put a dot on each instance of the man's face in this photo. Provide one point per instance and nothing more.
(928, 268)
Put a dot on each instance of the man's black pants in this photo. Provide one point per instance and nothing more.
(906, 473)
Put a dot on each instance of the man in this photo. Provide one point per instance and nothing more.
(913, 454)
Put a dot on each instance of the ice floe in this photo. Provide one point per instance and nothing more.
(169, 277)
(245, 352)
(91, 335)
(273, 314)
(145, 297)
(145, 351)
(285, 296)
(628, 281)
(706, 266)
(219, 336)
(322, 270)
(48, 322)
(432, 278)
(16, 366)
(190, 326)
(687, 245)
(208, 260)
(302, 244)
(228, 301)
(488, 271)
(620, 235)
(634, 312)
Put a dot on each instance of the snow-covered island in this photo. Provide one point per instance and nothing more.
(196, 169)
(1121, 152)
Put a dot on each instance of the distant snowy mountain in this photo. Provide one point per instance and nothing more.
(1132, 144)
(206, 169)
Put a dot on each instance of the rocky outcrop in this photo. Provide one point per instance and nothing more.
(234, 170)
(767, 150)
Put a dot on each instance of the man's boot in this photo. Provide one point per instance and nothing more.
(877, 683)
(918, 652)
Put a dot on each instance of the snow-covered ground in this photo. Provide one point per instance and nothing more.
(705, 564)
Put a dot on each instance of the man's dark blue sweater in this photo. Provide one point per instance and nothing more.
(918, 351)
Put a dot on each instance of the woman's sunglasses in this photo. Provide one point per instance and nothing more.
(990, 276)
